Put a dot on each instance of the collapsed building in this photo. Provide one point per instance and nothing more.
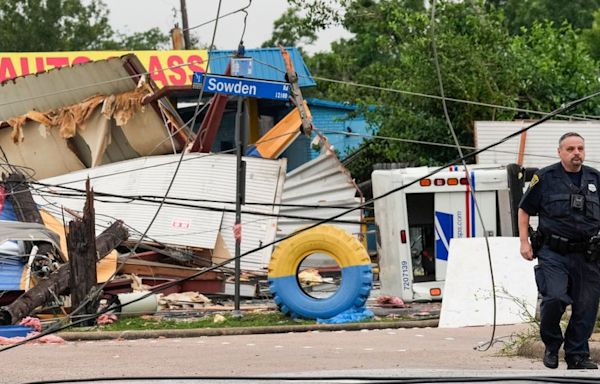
(107, 121)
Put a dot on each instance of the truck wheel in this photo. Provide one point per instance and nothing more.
(335, 242)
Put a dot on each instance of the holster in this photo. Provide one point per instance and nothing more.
(593, 251)
(536, 238)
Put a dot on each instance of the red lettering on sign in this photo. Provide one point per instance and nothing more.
(39, 64)
(57, 62)
(156, 72)
(194, 62)
(24, 66)
(80, 59)
(179, 71)
(179, 223)
(7, 69)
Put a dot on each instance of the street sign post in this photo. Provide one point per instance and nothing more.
(238, 86)
(241, 87)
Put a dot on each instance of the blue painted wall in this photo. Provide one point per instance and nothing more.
(333, 119)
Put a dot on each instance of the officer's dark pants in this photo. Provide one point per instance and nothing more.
(563, 280)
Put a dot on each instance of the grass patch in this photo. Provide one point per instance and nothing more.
(260, 319)
(248, 320)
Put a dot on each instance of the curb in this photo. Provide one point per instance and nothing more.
(178, 333)
(535, 350)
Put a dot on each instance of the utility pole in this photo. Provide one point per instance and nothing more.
(177, 37)
(186, 32)
(239, 201)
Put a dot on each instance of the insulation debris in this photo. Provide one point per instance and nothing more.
(120, 107)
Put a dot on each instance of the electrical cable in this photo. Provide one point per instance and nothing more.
(220, 17)
(151, 198)
(191, 157)
(129, 199)
(470, 188)
(245, 19)
(463, 101)
(425, 95)
(563, 108)
(436, 144)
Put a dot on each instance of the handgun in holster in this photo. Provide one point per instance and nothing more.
(593, 250)
(536, 239)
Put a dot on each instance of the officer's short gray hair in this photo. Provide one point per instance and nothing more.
(569, 134)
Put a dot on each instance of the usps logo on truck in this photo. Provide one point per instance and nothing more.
(444, 231)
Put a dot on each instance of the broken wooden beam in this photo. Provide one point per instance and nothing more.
(81, 245)
(57, 283)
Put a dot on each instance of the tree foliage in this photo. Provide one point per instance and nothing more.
(525, 13)
(291, 30)
(65, 25)
(591, 36)
(480, 60)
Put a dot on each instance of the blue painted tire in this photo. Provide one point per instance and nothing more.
(344, 248)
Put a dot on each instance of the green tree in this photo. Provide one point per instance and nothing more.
(524, 13)
(291, 30)
(150, 39)
(65, 25)
(591, 36)
(480, 60)
(553, 66)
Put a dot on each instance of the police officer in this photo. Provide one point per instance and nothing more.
(565, 197)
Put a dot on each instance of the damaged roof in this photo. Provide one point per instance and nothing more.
(86, 115)
(268, 64)
(68, 85)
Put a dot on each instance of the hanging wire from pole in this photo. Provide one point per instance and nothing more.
(470, 188)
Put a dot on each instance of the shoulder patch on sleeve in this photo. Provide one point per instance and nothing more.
(534, 180)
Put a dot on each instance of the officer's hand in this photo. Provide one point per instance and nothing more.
(526, 250)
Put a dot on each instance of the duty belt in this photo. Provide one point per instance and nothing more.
(563, 245)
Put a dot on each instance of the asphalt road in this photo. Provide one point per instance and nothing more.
(388, 352)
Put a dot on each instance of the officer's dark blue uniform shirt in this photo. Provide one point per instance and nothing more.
(549, 196)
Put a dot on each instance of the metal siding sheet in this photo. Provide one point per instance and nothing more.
(325, 182)
(66, 86)
(11, 268)
(256, 229)
(541, 143)
(10, 275)
(265, 60)
(201, 177)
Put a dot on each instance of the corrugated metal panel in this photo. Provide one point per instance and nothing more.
(325, 182)
(264, 61)
(312, 101)
(541, 141)
(10, 275)
(263, 185)
(11, 269)
(201, 177)
(27, 93)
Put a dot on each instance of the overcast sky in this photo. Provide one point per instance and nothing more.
(130, 16)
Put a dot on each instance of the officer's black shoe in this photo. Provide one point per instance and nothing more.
(550, 359)
(581, 363)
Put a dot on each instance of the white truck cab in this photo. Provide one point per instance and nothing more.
(415, 225)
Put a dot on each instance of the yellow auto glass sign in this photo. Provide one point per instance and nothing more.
(166, 67)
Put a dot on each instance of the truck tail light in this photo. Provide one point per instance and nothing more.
(403, 236)
(435, 292)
